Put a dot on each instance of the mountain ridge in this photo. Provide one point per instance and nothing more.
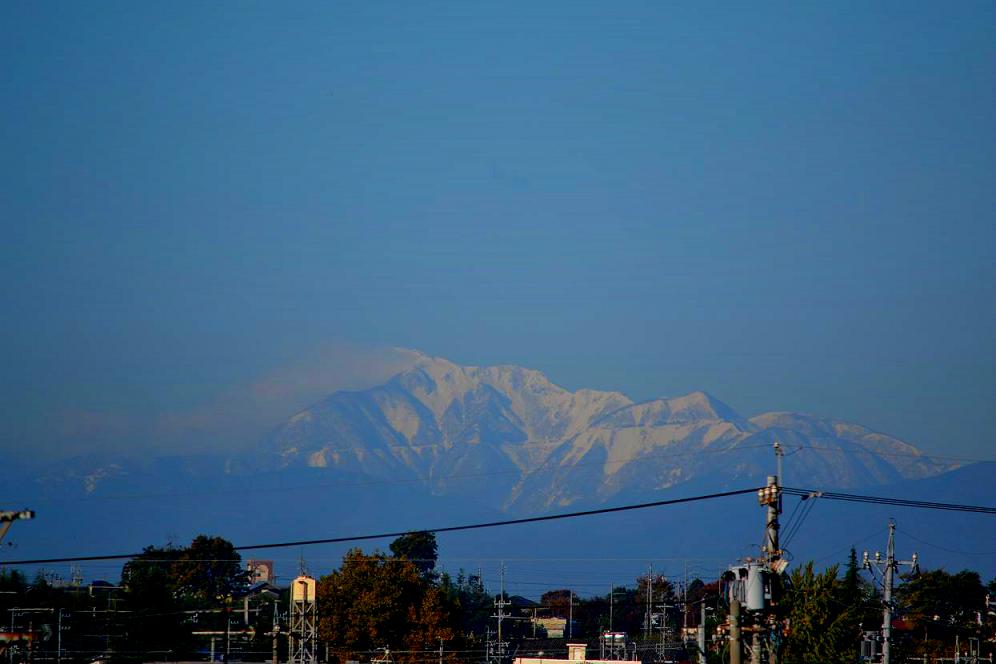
(509, 438)
(544, 447)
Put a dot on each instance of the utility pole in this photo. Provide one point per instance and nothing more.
(888, 568)
(58, 640)
(774, 554)
(769, 497)
(648, 630)
(702, 633)
(570, 614)
(779, 453)
(276, 632)
(497, 655)
(684, 604)
(228, 627)
(8, 517)
(735, 631)
(754, 587)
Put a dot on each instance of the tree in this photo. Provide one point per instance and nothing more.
(154, 622)
(209, 569)
(468, 602)
(558, 601)
(374, 601)
(163, 582)
(852, 577)
(13, 586)
(941, 605)
(823, 626)
(420, 548)
(148, 578)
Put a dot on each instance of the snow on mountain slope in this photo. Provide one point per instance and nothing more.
(542, 447)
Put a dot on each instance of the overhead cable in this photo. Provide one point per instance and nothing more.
(829, 495)
(897, 502)
(445, 529)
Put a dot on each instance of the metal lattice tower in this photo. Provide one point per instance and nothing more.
(303, 621)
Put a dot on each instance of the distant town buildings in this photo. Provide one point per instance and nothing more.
(577, 653)
(260, 571)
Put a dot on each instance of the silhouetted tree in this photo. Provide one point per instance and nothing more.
(154, 621)
(468, 601)
(374, 601)
(421, 549)
(209, 569)
(558, 601)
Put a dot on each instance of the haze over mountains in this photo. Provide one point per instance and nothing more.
(441, 444)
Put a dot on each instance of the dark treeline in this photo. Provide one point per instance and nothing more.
(185, 603)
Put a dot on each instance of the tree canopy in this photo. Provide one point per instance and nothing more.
(420, 548)
(163, 582)
(823, 624)
(375, 601)
(940, 605)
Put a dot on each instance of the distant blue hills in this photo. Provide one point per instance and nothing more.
(442, 444)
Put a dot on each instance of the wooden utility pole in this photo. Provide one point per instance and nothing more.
(735, 646)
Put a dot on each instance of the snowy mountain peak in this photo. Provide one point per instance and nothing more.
(543, 446)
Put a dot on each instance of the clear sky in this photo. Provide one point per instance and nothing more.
(789, 205)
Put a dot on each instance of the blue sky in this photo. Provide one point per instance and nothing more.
(789, 205)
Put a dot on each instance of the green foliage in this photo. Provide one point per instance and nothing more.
(12, 581)
(12, 586)
(852, 579)
(148, 578)
(375, 601)
(823, 620)
(162, 584)
(468, 603)
(420, 548)
(627, 608)
(940, 606)
(209, 569)
(200, 574)
(558, 602)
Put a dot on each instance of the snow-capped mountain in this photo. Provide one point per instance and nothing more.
(442, 444)
(509, 436)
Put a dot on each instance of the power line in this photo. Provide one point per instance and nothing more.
(859, 447)
(445, 529)
(792, 531)
(897, 502)
(828, 495)
(941, 548)
(853, 545)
